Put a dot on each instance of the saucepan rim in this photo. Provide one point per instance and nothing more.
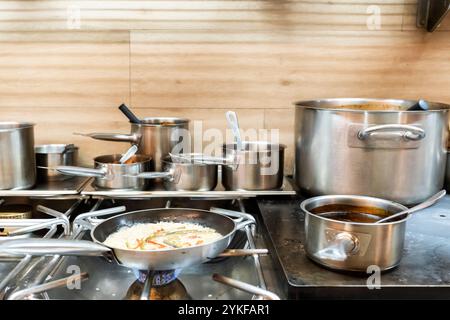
(401, 207)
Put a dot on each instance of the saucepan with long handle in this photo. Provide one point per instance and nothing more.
(154, 136)
(111, 174)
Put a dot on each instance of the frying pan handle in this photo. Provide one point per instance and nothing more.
(83, 219)
(343, 245)
(80, 171)
(234, 214)
(118, 137)
(46, 247)
(243, 224)
(265, 294)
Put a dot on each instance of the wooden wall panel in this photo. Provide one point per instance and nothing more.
(264, 75)
(198, 58)
(223, 14)
(45, 72)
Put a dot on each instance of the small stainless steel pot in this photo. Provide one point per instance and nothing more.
(193, 175)
(155, 137)
(353, 246)
(260, 166)
(17, 162)
(52, 155)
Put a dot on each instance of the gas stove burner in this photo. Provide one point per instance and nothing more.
(165, 286)
(160, 278)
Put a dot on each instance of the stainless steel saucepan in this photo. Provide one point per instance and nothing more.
(197, 172)
(348, 232)
(110, 174)
(51, 155)
(353, 246)
(154, 136)
(167, 259)
(260, 166)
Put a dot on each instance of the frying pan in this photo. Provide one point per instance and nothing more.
(167, 259)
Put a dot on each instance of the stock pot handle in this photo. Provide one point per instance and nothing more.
(407, 132)
(46, 247)
(343, 245)
(118, 137)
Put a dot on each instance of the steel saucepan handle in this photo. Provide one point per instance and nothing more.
(118, 137)
(80, 171)
(172, 175)
(46, 247)
(407, 132)
(152, 175)
(265, 294)
(343, 245)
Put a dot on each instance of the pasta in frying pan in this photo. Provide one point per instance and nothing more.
(162, 235)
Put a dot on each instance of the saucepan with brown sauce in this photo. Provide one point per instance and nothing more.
(341, 232)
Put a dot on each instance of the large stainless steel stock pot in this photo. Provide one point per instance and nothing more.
(370, 147)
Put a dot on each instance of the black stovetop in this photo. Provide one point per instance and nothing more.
(424, 271)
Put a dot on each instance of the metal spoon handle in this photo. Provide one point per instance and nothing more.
(427, 203)
(127, 155)
(234, 126)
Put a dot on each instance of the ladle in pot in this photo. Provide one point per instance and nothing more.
(427, 203)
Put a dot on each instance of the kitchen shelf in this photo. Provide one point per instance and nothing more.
(51, 189)
(160, 192)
